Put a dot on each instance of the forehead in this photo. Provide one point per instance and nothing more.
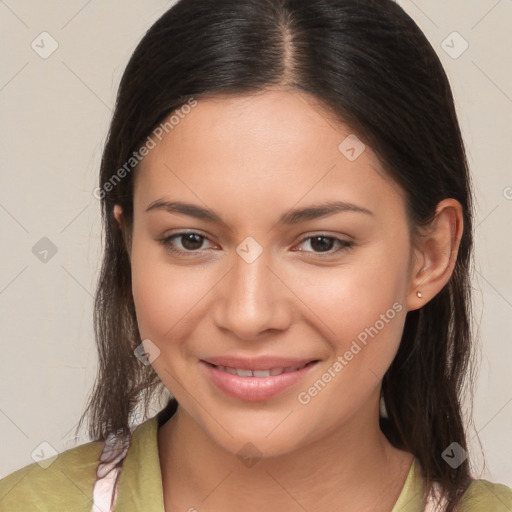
(274, 149)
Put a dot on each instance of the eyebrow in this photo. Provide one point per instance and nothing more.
(292, 217)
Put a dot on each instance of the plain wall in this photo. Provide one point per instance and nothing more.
(54, 115)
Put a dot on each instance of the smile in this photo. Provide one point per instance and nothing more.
(254, 385)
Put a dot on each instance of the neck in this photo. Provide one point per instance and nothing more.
(352, 468)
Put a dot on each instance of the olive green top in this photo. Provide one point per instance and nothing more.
(67, 484)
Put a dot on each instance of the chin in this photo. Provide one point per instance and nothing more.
(246, 436)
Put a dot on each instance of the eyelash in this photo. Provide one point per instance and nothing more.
(167, 243)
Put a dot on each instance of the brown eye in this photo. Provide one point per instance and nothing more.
(324, 244)
(190, 242)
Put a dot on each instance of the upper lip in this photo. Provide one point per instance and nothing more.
(256, 363)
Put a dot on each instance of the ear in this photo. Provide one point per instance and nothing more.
(435, 254)
(118, 214)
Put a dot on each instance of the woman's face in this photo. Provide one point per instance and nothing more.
(265, 275)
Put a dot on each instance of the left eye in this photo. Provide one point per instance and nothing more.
(325, 243)
(191, 243)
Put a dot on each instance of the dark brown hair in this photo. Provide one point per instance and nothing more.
(373, 68)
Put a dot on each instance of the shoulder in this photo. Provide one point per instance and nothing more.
(66, 484)
(485, 496)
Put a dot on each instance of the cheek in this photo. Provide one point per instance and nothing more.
(169, 299)
(165, 305)
(161, 299)
(356, 293)
(160, 294)
(362, 306)
(364, 318)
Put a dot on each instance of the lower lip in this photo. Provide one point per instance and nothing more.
(254, 389)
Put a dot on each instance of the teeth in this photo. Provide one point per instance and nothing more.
(259, 373)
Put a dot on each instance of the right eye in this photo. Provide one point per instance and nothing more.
(190, 242)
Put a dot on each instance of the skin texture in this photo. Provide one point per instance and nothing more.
(252, 159)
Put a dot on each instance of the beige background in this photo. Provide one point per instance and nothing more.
(54, 116)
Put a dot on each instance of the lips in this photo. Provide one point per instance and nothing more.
(255, 379)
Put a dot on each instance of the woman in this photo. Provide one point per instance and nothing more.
(288, 235)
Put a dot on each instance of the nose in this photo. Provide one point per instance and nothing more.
(253, 300)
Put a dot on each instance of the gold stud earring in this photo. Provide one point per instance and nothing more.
(419, 294)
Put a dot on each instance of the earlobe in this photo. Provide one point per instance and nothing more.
(436, 254)
(118, 214)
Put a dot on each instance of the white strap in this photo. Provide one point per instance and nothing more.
(432, 500)
(105, 490)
